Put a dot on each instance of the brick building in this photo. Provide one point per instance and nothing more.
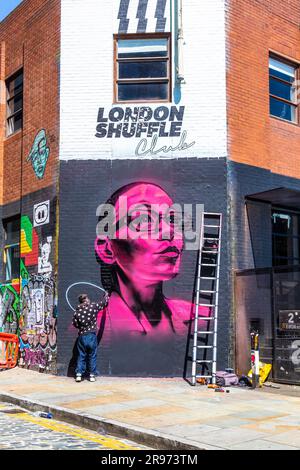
(263, 177)
(30, 47)
(102, 99)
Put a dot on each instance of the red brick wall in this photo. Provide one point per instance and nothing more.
(30, 38)
(255, 27)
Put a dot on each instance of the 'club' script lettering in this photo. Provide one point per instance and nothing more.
(144, 149)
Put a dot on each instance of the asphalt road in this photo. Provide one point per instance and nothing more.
(21, 430)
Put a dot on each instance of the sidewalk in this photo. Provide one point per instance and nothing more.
(243, 419)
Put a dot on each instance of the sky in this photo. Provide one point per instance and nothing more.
(6, 6)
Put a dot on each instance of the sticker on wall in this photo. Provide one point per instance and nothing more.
(44, 265)
(36, 316)
(41, 214)
(39, 154)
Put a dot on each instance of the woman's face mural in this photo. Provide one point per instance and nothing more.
(144, 328)
(141, 328)
(147, 248)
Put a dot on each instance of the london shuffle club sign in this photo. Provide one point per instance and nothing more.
(144, 123)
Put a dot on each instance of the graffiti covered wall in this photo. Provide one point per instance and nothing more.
(144, 330)
(28, 304)
(38, 310)
(39, 318)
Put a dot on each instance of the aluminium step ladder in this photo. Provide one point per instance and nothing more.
(207, 296)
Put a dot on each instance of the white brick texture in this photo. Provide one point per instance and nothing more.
(87, 81)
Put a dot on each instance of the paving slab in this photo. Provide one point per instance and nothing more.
(261, 445)
(189, 431)
(226, 438)
(291, 438)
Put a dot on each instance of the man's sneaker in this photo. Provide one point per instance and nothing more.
(78, 378)
(92, 378)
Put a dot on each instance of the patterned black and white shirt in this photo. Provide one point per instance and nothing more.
(85, 317)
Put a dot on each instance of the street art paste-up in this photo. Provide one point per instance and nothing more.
(44, 265)
(39, 154)
(41, 213)
(134, 270)
(37, 307)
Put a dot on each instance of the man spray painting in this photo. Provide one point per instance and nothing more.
(85, 320)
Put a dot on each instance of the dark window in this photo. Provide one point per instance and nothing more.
(142, 68)
(283, 89)
(14, 100)
(12, 248)
(286, 238)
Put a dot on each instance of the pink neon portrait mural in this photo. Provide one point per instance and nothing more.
(134, 267)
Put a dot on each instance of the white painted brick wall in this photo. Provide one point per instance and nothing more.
(87, 80)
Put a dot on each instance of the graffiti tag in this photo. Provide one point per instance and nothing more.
(9, 309)
(77, 284)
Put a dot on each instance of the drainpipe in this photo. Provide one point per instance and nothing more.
(180, 42)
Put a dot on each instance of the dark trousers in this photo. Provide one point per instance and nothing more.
(87, 354)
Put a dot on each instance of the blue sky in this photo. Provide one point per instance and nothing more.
(6, 6)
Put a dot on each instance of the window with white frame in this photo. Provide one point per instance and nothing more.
(283, 89)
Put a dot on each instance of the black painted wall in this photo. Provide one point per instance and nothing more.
(86, 184)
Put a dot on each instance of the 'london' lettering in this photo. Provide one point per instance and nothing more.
(144, 113)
